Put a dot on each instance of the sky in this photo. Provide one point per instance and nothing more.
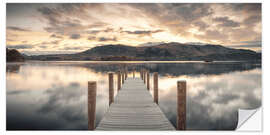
(57, 28)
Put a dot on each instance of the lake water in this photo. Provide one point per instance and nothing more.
(53, 95)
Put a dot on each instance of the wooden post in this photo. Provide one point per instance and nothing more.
(119, 80)
(144, 76)
(141, 74)
(148, 79)
(181, 105)
(156, 87)
(123, 78)
(126, 74)
(111, 94)
(92, 88)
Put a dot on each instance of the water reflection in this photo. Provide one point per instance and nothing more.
(53, 95)
(213, 100)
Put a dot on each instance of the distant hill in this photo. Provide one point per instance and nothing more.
(14, 56)
(164, 51)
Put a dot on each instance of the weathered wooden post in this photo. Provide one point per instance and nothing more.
(156, 87)
(148, 79)
(119, 80)
(144, 76)
(141, 74)
(92, 88)
(111, 94)
(181, 105)
(126, 72)
(123, 78)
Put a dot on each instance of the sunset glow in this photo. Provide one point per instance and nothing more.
(69, 28)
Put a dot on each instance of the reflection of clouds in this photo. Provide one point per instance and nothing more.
(47, 100)
(15, 92)
(53, 96)
(13, 67)
(34, 77)
(213, 100)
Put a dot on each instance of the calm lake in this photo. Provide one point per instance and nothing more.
(53, 95)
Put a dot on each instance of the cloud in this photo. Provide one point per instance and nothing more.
(212, 23)
(74, 48)
(67, 18)
(143, 32)
(56, 36)
(151, 43)
(91, 38)
(107, 30)
(20, 46)
(101, 39)
(226, 22)
(93, 32)
(252, 20)
(75, 36)
(251, 42)
(43, 46)
(249, 8)
(248, 44)
(17, 29)
(201, 25)
(104, 39)
(212, 35)
(55, 42)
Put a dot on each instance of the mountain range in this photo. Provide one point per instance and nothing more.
(160, 52)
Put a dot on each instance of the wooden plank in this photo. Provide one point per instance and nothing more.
(134, 109)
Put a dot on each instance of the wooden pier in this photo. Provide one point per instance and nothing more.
(134, 108)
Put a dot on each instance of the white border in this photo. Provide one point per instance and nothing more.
(265, 67)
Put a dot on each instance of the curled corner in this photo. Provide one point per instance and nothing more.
(249, 120)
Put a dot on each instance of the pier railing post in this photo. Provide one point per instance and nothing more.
(155, 87)
(148, 79)
(92, 88)
(111, 94)
(181, 105)
(119, 80)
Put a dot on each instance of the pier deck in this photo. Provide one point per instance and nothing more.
(134, 109)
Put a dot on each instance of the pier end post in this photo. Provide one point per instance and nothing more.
(92, 88)
(181, 105)
(155, 87)
(111, 94)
